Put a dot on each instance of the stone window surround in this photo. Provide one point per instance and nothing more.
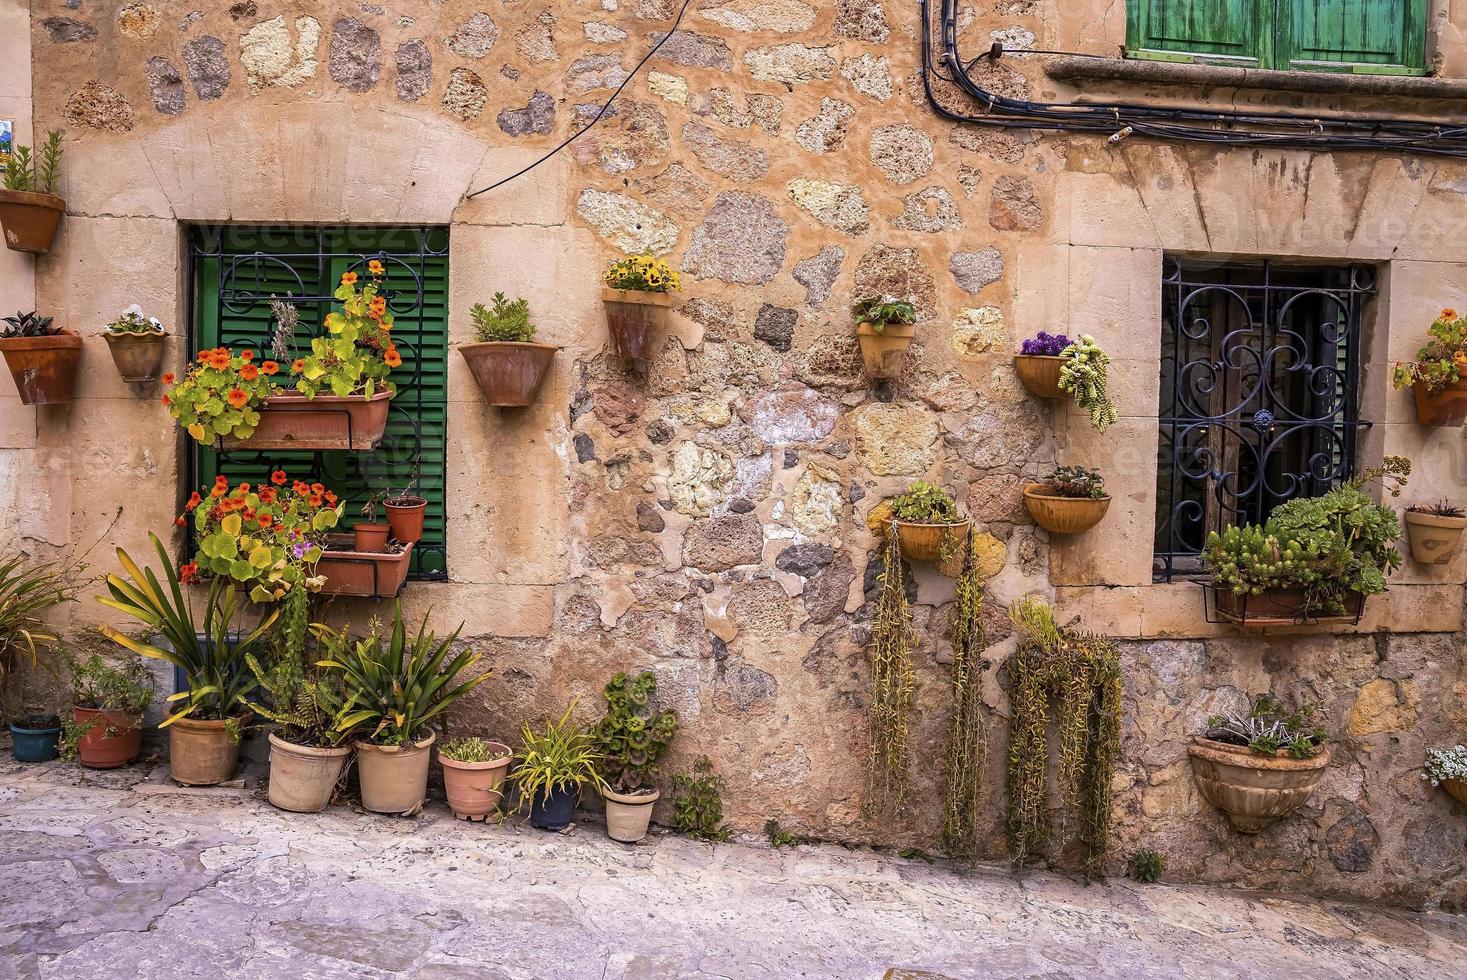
(1110, 265)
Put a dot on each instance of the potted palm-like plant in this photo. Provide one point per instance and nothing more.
(395, 688)
(1259, 766)
(505, 360)
(928, 523)
(473, 772)
(203, 735)
(1434, 531)
(136, 342)
(105, 729)
(630, 740)
(30, 210)
(551, 768)
(885, 326)
(41, 356)
(1072, 500)
(636, 296)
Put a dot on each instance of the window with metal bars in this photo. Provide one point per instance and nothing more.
(1260, 366)
(237, 270)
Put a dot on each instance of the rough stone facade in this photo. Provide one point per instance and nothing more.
(706, 516)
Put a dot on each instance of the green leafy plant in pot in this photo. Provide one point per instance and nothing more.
(108, 698)
(631, 739)
(41, 356)
(28, 588)
(885, 326)
(929, 525)
(552, 766)
(30, 209)
(504, 358)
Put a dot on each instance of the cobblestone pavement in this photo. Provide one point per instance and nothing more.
(115, 875)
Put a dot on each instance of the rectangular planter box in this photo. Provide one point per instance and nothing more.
(293, 421)
(1276, 607)
(362, 573)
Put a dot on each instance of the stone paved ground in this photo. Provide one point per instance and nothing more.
(101, 878)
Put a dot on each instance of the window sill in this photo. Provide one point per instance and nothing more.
(1080, 71)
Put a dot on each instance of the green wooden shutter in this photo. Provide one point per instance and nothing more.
(1386, 37)
(237, 269)
(1231, 32)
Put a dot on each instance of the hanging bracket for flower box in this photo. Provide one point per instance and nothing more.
(378, 575)
(293, 421)
(1273, 608)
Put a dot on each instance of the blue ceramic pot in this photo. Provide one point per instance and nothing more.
(35, 744)
(554, 812)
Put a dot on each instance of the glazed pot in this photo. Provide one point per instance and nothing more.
(35, 739)
(1063, 515)
(883, 352)
(44, 368)
(302, 777)
(1281, 607)
(202, 753)
(1039, 374)
(30, 219)
(138, 356)
(394, 777)
(110, 739)
(405, 517)
(1457, 789)
(473, 788)
(555, 811)
(635, 319)
(924, 542)
(628, 815)
(1433, 539)
(1253, 789)
(509, 373)
(370, 536)
(364, 573)
(1445, 406)
(290, 420)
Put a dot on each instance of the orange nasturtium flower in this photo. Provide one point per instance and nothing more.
(247, 355)
(249, 372)
(278, 478)
(298, 365)
(238, 397)
(375, 267)
(378, 306)
(348, 278)
(168, 377)
(331, 498)
(300, 487)
(193, 500)
(314, 500)
(167, 400)
(269, 367)
(1449, 314)
(392, 357)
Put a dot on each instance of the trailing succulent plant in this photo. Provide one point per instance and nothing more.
(925, 503)
(1271, 726)
(882, 310)
(967, 737)
(697, 803)
(505, 321)
(1327, 546)
(1145, 867)
(1444, 764)
(1084, 376)
(632, 737)
(28, 325)
(890, 653)
(1078, 482)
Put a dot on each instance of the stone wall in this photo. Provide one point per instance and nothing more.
(706, 516)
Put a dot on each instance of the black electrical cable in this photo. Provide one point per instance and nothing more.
(577, 135)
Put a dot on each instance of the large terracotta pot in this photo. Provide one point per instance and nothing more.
(628, 816)
(1445, 406)
(474, 788)
(405, 517)
(30, 219)
(1433, 539)
(1063, 515)
(202, 753)
(635, 319)
(375, 574)
(290, 420)
(302, 777)
(884, 352)
(509, 373)
(1253, 789)
(1039, 374)
(924, 542)
(44, 368)
(394, 777)
(138, 356)
(110, 739)
(1280, 607)
(1457, 789)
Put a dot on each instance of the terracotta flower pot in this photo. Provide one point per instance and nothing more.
(138, 356)
(370, 536)
(508, 373)
(44, 368)
(202, 753)
(302, 777)
(290, 420)
(1039, 374)
(394, 777)
(884, 352)
(1280, 607)
(1253, 789)
(30, 219)
(405, 517)
(635, 320)
(375, 574)
(473, 788)
(1063, 515)
(1433, 539)
(1457, 789)
(924, 542)
(1445, 406)
(628, 815)
(111, 739)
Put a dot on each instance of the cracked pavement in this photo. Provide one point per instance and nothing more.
(111, 874)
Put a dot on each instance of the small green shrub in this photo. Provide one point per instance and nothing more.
(28, 325)
(24, 174)
(881, 310)
(925, 503)
(1078, 482)
(123, 685)
(1145, 867)
(780, 837)
(506, 321)
(632, 737)
(697, 803)
(470, 749)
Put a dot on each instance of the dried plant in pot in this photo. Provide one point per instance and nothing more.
(30, 210)
(885, 326)
(1447, 768)
(105, 727)
(136, 342)
(928, 523)
(1260, 766)
(1071, 501)
(41, 356)
(631, 740)
(405, 512)
(551, 768)
(473, 775)
(1438, 376)
(636, 293)
(506, 362)
(1434, 531)
(371, 534)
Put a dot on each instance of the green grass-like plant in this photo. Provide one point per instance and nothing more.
(468, 749)
(28, 588)
(925, 503)
(560, 757)
(25, 173)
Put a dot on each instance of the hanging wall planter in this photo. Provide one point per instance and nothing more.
(42, 358)
(1278, 607)
(1039, 374)
(635, 319)
(360, 573)
(885, 326)
(30, 210)
(289, 420)
(1438, 376)
(1434, 531)
(136, 342)
(928, 524)
(508, 373)
(1441, 406)
(1253, 788)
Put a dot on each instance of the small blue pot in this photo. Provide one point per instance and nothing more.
(554, 813)
(35, 744)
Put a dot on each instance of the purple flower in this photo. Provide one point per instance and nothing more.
(299, 549)
(1046, 345)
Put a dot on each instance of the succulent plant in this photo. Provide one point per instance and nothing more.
(1444, 764)
(1078, 482)
(28, 325)
(1045, 345)
(1271, 726)
(925, 503)
(1145, 867)
(697, 803)
(632, 738)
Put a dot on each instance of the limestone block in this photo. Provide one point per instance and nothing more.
(1384, 706)
(1115, 296)
(139, 195)
(17, 421)
(1118, 550)
(483, 610)
(1037, 303)
(15, 67)
(541, 197)
(1441, 216)
(1106, 210)
(1385, 214)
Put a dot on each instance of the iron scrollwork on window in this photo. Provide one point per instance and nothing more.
(1260, 370)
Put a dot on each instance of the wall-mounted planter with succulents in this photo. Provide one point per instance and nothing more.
(1447, 768)
(42, 358)
(1261, 766)
(136, 342)
(30, 210)
(1053, 366)
(636, 295)
(1071, 501)
(1438, 376)
(1434, 531)
(885, 326)
(506, 362)
(928, 524)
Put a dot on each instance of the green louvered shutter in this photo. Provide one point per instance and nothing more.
(1385, 37)
(1230, 32)
(237, 269)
